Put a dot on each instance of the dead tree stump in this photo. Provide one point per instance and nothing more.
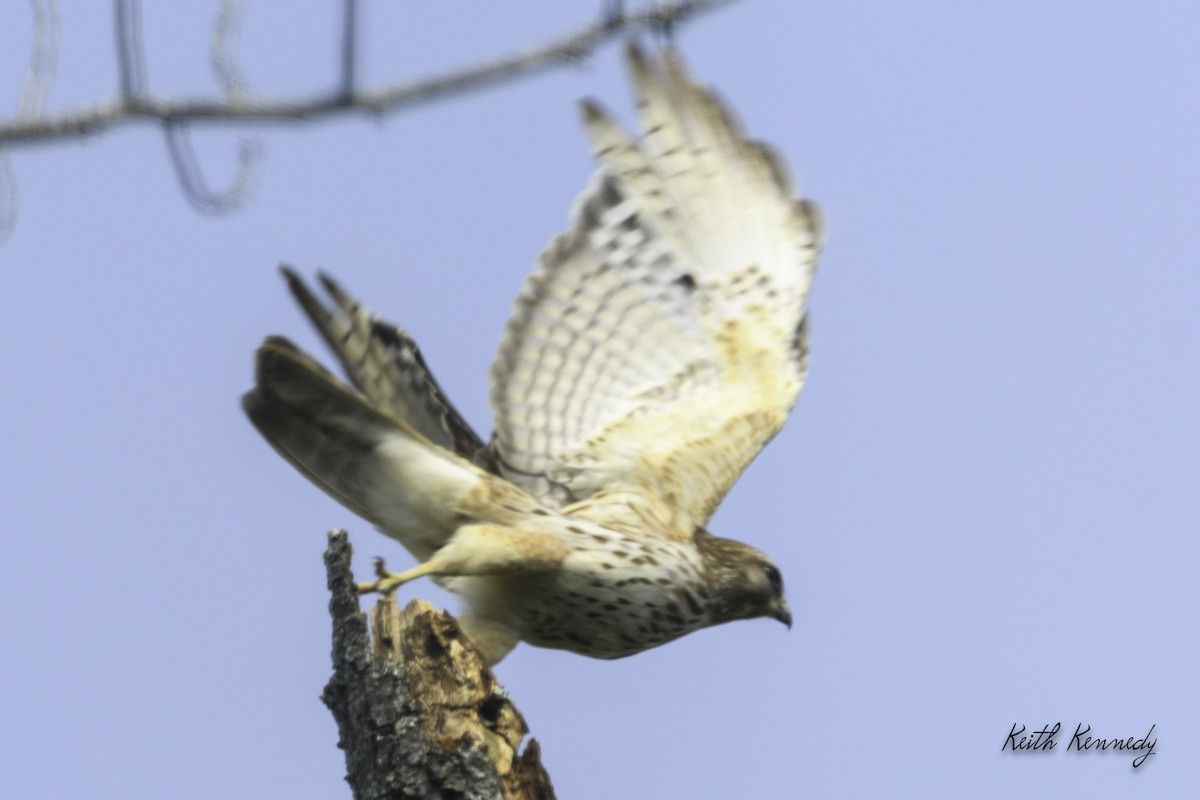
(419, 712)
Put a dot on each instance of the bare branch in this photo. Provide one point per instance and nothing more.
(567, 49)
(44, 65)
(8, 196)
(191, 178)
(131, 54)
(223, 56)
(42, 69)
(349, 46)
(223, 48)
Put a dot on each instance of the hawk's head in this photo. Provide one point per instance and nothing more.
(743, 582)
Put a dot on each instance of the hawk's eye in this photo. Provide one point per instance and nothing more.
(774, 578)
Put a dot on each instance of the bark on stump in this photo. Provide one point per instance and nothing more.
(419, 712)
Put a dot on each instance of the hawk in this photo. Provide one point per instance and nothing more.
(658, 346)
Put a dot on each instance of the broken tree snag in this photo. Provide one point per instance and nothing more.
(419, 712)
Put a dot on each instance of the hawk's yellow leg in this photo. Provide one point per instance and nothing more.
(479, 550)
(388, 582)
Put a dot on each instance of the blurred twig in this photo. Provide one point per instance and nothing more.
(400, 95)
(236, 104)
(42, 68)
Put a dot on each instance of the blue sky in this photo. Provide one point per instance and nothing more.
(985, 506)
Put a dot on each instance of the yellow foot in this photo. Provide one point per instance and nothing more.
(388, 582)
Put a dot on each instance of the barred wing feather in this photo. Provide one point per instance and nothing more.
(661, 342)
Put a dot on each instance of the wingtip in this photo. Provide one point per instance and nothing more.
(635, 54)
(813, 216)
(664, 64)
(591, 112)
(639, 64)
(675, 65)
(303, 293)
(297, 285)
(326, 280)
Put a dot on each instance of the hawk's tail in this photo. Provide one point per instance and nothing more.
(366, 459)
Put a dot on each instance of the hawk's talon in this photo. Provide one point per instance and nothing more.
(386, 583)
(383, 583)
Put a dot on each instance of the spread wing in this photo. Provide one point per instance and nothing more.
(661, 342)
(385, 364)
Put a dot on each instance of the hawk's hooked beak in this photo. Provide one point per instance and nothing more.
(781, 612)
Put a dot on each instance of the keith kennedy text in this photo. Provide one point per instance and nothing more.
(1043, 740)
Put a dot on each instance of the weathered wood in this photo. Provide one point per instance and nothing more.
(418, 710)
